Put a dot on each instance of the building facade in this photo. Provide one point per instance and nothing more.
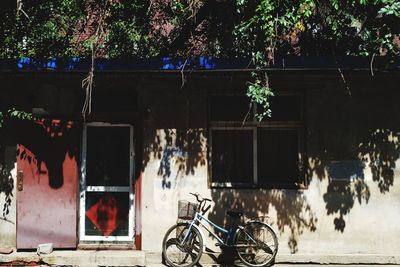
(323, 170)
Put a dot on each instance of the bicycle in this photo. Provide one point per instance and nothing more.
(255, 242)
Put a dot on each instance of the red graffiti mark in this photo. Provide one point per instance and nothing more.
(103, 214)
(54, 127)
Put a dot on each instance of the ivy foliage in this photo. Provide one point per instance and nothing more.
(45, 32)
(13, 113)
(221, 28)
(258, 29)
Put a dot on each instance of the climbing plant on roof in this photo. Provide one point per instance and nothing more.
(257, 29)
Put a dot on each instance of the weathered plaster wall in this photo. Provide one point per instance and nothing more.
(352, 201)
(357, 213)
(8, 219)
(162, 188)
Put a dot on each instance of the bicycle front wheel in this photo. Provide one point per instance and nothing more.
(182, 246)
(256, 244)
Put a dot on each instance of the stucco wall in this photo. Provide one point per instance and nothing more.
(352, 200)
(306, 220)
(353, 135)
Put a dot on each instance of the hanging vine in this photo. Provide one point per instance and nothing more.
(96, 25)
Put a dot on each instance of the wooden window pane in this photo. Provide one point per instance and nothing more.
(285, 108)
(229, 108)
(232, 156)
(278, 157)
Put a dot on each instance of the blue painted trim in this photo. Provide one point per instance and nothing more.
(177, 64)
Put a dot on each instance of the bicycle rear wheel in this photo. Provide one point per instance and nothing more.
(256, 244)
(182, 246)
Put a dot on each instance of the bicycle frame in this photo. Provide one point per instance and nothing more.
(249, 239)
(199, 218)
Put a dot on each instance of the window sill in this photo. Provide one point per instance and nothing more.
(107, 246)
(253, 186)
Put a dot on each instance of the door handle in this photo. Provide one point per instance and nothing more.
(20, 180)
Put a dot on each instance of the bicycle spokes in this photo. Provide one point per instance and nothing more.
(182, 246)
(256, 244)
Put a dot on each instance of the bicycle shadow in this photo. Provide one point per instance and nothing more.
(226, 258)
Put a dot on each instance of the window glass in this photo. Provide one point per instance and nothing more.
(277, 157)
(107, 156)
(232, 156)
(229, 108)
(121, 100)
(272, 146)
(285, 108)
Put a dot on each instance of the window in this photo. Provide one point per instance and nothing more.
(251, 154)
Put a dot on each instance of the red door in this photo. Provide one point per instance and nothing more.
(47, 175)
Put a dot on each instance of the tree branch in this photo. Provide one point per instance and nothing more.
(187, 29)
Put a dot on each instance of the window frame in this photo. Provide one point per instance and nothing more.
(255, 125)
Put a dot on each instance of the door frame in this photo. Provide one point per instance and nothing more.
(83, 188)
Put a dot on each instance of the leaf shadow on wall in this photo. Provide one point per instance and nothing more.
(378, 152)
(45, 141)
(293, 212)
(179, 151)
(6, 180)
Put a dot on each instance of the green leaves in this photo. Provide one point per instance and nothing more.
(13, 113)
(391, 7)
(22, 115)
(53, 28)
(260, 29)
(46, 33)
(260, 93)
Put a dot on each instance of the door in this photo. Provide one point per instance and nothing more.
(47, 176)
(106, 196)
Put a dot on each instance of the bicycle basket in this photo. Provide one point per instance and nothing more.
(186, 210)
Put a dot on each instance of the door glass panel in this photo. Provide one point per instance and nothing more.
(107, 156)
(107, 214)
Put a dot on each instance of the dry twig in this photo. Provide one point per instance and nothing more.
(182, 73)
(19, 9)
(344, 81)
(371, 65)
(88, 82)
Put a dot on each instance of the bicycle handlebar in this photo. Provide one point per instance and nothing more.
(200, 198)
(202, 201)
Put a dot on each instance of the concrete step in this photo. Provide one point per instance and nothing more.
(80, 258)
(154, 258)
(95, 258)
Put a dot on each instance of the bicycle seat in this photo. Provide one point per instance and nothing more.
(234, 214)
